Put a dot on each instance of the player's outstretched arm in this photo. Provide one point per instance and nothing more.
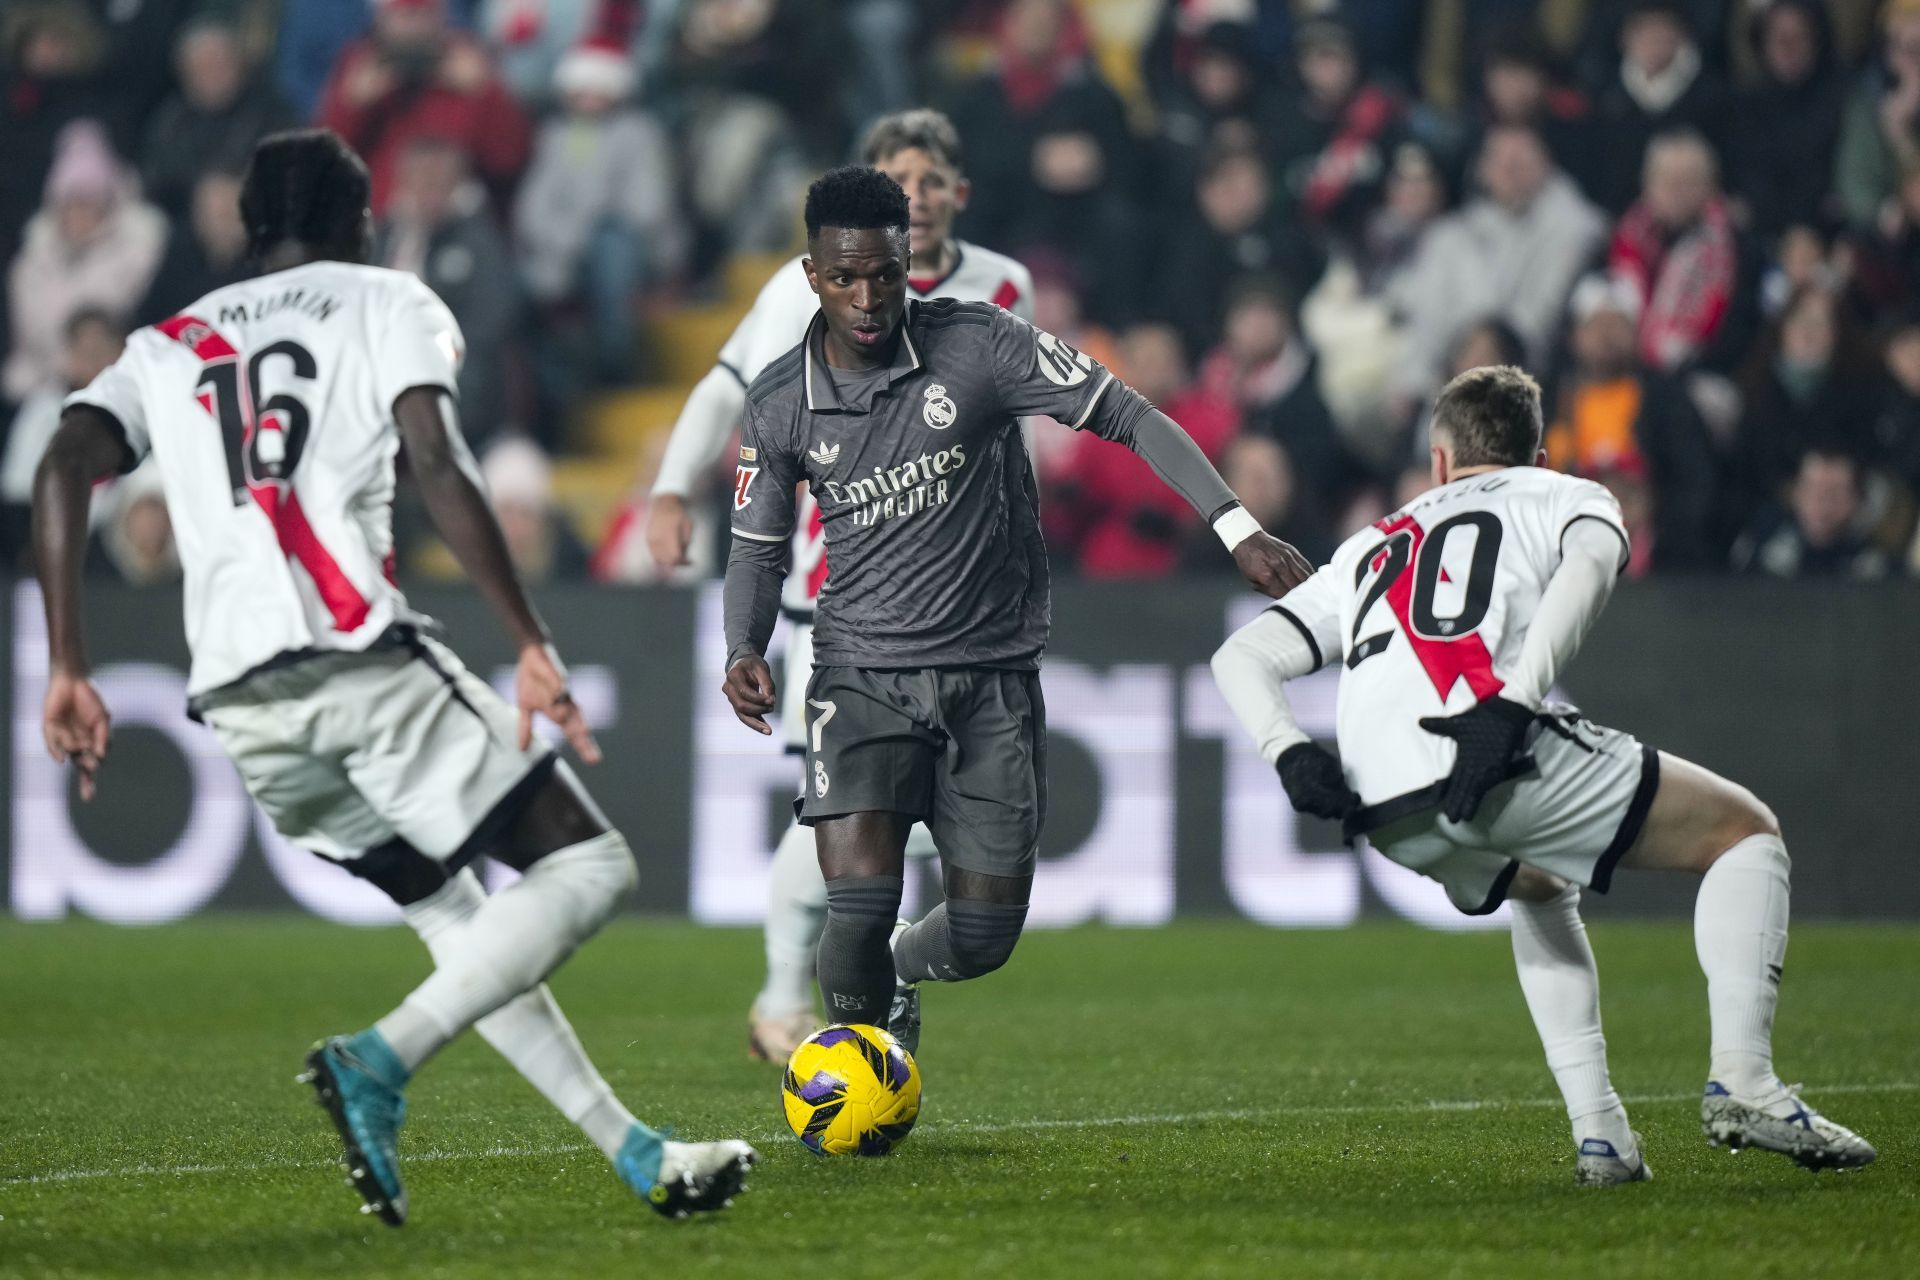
(1252, 669)
(700, 434)
(444, 470)
(1271, 566)
(88, 445)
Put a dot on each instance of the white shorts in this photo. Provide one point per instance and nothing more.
(1575, 817)
(798, 670)
(347, 752)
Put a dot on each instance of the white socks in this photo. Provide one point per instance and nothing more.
(1562, 987)
(1740, 933)
(519, 936)
(796, 912)
(529, 1031)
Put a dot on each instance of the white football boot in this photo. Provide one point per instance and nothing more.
(903, 1017)
(1781, 1122)
(1601, 1164)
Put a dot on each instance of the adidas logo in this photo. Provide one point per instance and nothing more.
(825, 455)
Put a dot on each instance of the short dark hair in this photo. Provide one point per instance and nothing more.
(305, 185)
(856, 198)
(1492, 415)
(922, 129)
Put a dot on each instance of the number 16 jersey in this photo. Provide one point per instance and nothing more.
(268, 408)
(1428, 607)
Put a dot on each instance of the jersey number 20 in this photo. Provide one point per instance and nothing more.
(1447, 647)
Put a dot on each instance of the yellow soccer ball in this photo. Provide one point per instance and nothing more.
(851, 1091)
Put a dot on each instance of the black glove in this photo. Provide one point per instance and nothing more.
(1490, 735)
(1314, 782)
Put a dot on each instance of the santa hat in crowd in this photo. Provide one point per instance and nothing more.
(84, 165)
(597, 65)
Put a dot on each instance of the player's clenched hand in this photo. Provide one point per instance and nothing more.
(540, 685)
(77, 727)
(1490, 736)
(1273, 567)
(669, 531)
(1314, 782)
(749, 688)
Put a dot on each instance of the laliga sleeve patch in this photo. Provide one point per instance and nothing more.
(743, 481)
(1060, 363)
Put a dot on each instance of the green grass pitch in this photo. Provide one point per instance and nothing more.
(1211, 1099)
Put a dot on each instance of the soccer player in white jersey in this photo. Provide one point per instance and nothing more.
(1453, 618)
(274, 410)
(920, 150)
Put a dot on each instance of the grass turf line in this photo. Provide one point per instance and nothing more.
(1210, 1099)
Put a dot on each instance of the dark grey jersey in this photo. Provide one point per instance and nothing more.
(926, 497)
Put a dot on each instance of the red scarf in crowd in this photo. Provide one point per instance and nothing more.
(1685, 283)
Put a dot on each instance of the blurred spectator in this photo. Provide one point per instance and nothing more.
(1331, 147)
(413, 76)
(1886, 257)
(1051, 159)
(313, 35)
(1520, 86)
(1880, 137)
(1662, 85)
(1778, 158)
(1513, 252)
(94, 340)
(1261, 474)
(1485, 342)
(1107, 509)
(530, 37)
(1217, 97)
(520, 485)
(598, 217)
(883, 80)
(1896, 428)
(53, 50)
(772, 53)
(438, 228)
(136, 535)
(1635, 431)
(1676, 247)
(1351, 316)
(220, 110)
(93, 243)
(205, 251)
(1815, 535)
(1265, 368)
(758, 118)
(1808, 382)
(1804, 259)
(1237, 232)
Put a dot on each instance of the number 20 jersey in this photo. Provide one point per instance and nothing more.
(1429, 606)
(268, 408)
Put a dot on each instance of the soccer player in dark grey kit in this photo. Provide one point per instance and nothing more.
(925, 699)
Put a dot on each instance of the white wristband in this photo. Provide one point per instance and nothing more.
(1235, 525)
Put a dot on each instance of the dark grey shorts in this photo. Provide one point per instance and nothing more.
(963, 749)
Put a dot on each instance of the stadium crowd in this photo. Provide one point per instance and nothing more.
(1286, 222)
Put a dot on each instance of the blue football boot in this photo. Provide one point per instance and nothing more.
(360, 1082)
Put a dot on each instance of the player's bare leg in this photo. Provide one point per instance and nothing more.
(1562, 987)
(863, 857)
(1702, 823)
(575, 870)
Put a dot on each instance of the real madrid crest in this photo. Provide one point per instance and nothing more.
(939, 410)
